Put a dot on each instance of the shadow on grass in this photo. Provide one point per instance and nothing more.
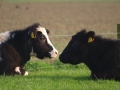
(83, 78)
(57, 77)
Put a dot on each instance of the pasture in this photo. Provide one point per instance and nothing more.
(63, 19)
(56, 76)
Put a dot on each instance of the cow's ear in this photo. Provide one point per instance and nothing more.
(47, 31)
(32, 34)
(33, 30)
(90, 36)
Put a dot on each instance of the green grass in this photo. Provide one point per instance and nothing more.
(56, 76)
(59, 0)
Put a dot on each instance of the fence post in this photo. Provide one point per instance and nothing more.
(118, 31)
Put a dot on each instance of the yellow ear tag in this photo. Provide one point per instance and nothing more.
(32, 35)
(90, 39)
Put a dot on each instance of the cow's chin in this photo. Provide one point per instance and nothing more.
(74, 61)
(69, 62)
(68, 59)
(40, 57)
(46, 55)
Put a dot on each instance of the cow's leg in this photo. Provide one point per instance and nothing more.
(19, 70)
(9, 70)
(14, 70)
(23, 72)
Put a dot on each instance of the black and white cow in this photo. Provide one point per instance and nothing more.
(101, 55)
(17, 46)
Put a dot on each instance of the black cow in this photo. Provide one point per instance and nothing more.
(101, 55)
(17, 46)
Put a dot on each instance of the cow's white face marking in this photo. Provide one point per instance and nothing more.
(4, 36)
(54, 52)
(17, 69)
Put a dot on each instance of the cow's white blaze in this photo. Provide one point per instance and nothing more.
(54, 52)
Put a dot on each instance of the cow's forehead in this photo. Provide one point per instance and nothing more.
(43, 30)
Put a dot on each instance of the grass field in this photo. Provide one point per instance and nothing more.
(56, 76)
(63, 19)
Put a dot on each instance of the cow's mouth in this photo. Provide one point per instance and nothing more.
(67, 59)
(63, 60)
(47, 55)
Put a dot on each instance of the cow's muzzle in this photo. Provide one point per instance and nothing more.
(53, 53)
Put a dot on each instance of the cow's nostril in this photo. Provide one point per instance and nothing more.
(56, 52)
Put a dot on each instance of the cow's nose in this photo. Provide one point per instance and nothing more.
(54, 53)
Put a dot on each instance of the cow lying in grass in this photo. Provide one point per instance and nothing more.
(101, 55)
(17, 46)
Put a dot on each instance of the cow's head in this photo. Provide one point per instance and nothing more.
(77, 49)
(41, 44)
